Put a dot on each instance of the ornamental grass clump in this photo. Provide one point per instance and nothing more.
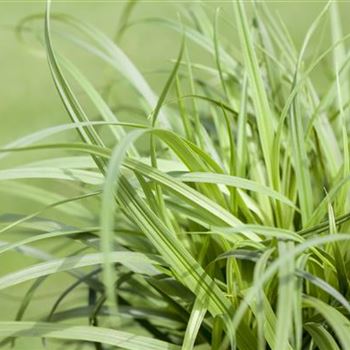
(213, 215)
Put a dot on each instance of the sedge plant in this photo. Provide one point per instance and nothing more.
(214, 216)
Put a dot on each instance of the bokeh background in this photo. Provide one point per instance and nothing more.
(29, 102)
(28, 99)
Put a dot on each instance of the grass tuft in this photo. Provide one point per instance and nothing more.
(213, 216)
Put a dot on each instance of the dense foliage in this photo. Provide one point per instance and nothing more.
(213, 215)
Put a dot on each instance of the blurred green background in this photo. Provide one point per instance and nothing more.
(29, 102)
(28, 98)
